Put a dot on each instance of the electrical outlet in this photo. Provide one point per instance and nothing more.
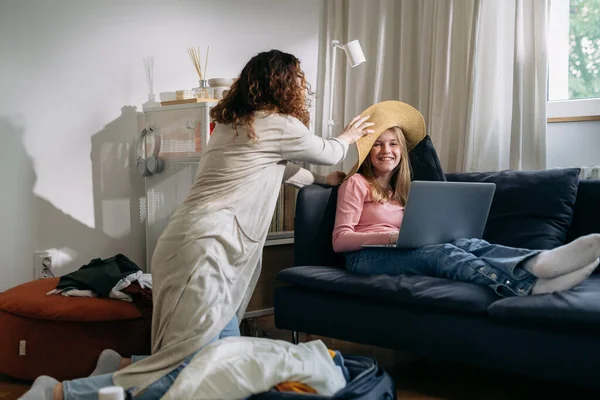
(22, 348)
(42, 265)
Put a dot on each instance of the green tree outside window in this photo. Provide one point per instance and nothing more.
(584, 57)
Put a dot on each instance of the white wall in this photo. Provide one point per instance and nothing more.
(71, 88)
(573, 144)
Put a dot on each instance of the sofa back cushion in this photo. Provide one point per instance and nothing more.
(586, 215)
(313, 227)
(531, 209)
(424, 162)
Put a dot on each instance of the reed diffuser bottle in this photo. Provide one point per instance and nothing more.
(203, 91)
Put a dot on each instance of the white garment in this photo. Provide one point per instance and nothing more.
(144, 280)
(238, 367)
(204, 266)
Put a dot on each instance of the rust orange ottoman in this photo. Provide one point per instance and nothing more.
(63, 336)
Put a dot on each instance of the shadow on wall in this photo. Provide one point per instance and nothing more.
(31, 223)
(17, 207)
(118, 188)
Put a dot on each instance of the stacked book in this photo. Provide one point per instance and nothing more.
(285, 210)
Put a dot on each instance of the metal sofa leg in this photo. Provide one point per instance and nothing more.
(294, 337)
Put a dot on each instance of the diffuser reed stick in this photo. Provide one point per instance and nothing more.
(194, 54)
(206, 60)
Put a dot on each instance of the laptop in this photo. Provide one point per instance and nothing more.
(441, 212)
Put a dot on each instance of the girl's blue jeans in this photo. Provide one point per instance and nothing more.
(467, 260)
(87, 388)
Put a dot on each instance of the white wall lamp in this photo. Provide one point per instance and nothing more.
(355, 57)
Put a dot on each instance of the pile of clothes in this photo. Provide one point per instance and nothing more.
(230, 368)
(116, 277)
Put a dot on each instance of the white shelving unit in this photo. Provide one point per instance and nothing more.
(184, 130)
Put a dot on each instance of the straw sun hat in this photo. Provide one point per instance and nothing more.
(385, 115)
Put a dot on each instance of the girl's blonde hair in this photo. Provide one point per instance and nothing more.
(401, 176)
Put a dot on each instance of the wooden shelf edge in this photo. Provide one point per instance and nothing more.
(279, 242)
(280, 235)
(574, 119)
(279, 238)
(258, 313)
(187, 101)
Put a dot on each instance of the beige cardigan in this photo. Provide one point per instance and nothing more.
(204, 267)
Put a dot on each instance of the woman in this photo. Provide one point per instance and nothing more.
(370, 208)
(204, 267)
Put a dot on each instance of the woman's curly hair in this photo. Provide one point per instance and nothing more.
(271, 81)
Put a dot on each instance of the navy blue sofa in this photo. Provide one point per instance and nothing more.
(554, 336)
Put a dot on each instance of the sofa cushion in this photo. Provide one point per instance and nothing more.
(30, 300)
(424, 162)
(416, 290)
(586, 215)
(531, 209)
(313, 227)
(578, 306)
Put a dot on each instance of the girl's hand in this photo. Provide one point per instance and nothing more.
(334, 178)
(356, 129)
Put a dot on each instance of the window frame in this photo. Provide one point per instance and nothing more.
(568, 110)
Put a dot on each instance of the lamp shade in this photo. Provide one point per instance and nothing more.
(354, 53)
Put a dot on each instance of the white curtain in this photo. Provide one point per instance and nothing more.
(507, 122)
(435, 55)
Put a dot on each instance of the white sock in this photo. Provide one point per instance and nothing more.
(42, 389)
(565, 259)
(564, 282)
(108, 362)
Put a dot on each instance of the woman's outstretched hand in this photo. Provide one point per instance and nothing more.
(334, 178)
(356, 129)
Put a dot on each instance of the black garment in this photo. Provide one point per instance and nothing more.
(99, 275)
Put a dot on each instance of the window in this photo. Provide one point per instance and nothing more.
(574, 52)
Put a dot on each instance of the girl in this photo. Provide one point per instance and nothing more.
(204, 267)
(370, 207)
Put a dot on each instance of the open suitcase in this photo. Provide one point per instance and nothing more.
(368, 381)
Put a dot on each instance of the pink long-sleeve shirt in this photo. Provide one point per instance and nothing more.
(359, 220)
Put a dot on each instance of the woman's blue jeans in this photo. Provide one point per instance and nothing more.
(466, 260)
(87, 388)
